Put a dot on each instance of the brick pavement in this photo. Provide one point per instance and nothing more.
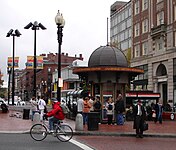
(13, 124)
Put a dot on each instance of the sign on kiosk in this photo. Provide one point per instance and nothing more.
(60, 82)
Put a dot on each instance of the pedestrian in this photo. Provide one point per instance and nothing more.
(97, 104)
(139, 119)
(158, 111)
(110, 110)
(86, 110)
(80, 105)
(41, 107)
(19, 101)
(97, 107)
(34, 106)
(120, 109)
(91, 101)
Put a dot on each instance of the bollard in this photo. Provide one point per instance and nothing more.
(36, 118)
(79, 122)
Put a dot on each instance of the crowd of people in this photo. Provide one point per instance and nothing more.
(114, 110)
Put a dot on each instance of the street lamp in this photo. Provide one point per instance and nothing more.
(35, 26)
(13, 34)
(49, 82)
(60, 22)
(9, 70)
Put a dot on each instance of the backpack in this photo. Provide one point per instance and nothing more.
(110, 107)
(65, 109)
(97, 105)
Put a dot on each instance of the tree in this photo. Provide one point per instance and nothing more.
(128, 56)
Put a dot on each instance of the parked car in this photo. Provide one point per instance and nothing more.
(2, 101)
(169, 114)
(17, 103)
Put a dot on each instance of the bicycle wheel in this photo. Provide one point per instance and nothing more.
(38, 132)
(64, 132)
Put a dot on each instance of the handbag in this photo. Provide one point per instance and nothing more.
(154, 115)
(145, 126)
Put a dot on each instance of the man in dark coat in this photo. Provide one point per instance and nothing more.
(139, 118)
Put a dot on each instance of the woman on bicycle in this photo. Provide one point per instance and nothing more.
(55, 114)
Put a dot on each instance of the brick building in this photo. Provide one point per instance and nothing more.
(154, 35)
(44, 85)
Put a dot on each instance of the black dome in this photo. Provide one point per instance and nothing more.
(107, 56)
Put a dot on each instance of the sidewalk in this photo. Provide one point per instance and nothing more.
(19, 125)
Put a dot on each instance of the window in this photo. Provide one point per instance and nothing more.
(71, 85)
(159, 1)
(145, 26)
(144, 48)
(144, 4)
(129, 23)
(136, 28)
(174, 12)
(126, 14)
(160, 18)
(136, 6)
(174, 67)
(174, 39)
(159, 44)
(136, 51)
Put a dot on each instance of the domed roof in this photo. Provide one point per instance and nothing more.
(107, 56)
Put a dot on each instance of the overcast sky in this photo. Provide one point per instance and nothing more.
(85, 27)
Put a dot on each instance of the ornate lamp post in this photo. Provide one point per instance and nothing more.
(11, 33)
(60, 22)
(35, 26)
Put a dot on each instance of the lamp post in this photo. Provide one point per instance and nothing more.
(49, 82)
(9, 70)
(13, 34)
(35, 26)
(60, 22)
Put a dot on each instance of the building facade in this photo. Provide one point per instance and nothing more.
(153, 45)
(120, 21)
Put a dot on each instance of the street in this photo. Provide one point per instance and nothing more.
(25, 142)
(127, 143)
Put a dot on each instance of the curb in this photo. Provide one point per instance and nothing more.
(89, 133)
(129, 134)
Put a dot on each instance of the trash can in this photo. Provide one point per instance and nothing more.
(26, 113)
(93, 120)
(4, 108)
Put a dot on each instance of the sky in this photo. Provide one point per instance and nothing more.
(85, 28)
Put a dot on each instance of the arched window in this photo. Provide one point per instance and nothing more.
(161, 70)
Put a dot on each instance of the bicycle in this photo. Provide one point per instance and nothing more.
(62, 131)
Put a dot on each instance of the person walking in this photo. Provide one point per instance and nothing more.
(120, 109)
(41, 107)
(110, 110)
(86, 110)
(34, 106)
(80, 105)
(139, 119)
(158, 110)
